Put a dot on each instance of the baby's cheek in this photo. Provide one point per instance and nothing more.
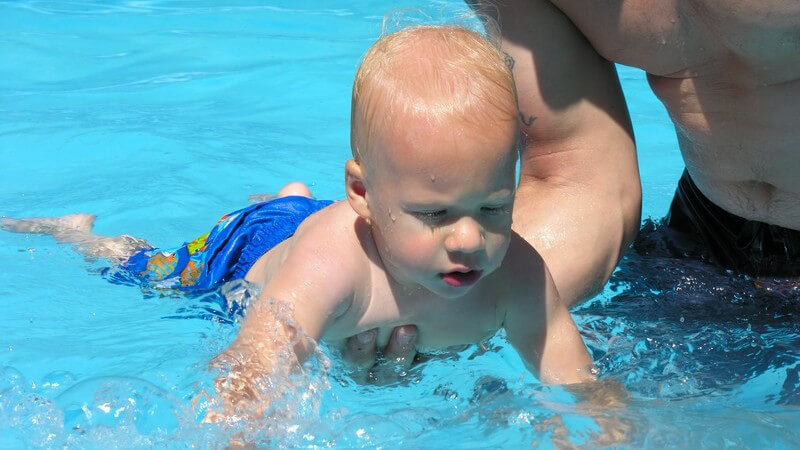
(497, 245)
(419, 250)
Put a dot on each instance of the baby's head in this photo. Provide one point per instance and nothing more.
(433, 135)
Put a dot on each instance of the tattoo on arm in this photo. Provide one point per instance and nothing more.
(509, 60)
(527, 121)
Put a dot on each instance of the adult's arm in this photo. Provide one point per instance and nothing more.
(579, 198)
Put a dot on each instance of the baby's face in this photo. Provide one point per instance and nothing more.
(440, 199)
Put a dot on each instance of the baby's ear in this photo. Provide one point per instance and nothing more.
(356, 188)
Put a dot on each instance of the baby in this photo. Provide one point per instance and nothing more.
(424, 236)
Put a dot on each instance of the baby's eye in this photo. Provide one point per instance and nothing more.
(493, 210)
(430, 216)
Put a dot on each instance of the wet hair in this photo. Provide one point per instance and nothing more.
(436, 72)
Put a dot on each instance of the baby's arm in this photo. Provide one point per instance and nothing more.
(315, 285)
(541, 329)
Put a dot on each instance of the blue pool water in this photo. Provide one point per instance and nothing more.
(159, 116)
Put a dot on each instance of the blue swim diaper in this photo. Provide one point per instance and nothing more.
(225, 253)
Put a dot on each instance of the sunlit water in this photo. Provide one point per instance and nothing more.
(159, 116)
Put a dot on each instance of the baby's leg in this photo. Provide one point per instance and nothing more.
(77, 229)
(295, 188)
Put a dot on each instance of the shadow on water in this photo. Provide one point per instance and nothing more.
(678, 327)
(225, 305)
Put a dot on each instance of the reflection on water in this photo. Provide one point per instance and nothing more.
(712, 357)
(681, 328)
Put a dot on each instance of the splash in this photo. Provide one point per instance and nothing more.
(266, 401)
(106, 411)
(701, 350)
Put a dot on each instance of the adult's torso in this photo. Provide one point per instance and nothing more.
(728, 72)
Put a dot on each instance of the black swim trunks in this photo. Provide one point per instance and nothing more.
(752, 247)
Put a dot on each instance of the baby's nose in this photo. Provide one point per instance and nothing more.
(466, 236)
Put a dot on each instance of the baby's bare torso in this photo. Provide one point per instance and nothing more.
(728, 72)
(379, 302)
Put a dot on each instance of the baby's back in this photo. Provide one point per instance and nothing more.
(317, 231)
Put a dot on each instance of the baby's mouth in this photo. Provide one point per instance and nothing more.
(461, 279)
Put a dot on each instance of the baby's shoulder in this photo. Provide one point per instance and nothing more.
(522, 275)
(523, 264)
(335, 223)
(332, 236)
(525, 288)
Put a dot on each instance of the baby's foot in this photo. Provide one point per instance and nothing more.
(260, 198)
(72, 222)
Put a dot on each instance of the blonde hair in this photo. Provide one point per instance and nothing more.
(437, 72)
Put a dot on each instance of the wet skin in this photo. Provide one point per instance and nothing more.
(424, 241)
(728, 73)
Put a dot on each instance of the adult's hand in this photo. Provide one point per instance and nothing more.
(394, 360)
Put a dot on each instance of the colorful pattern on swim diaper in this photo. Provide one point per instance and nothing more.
(226, 252)
(199, 244)
(179, 267)
(160, 265)
(196, 249)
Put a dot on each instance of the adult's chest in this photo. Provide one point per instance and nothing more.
(682, 38)
(660, 36)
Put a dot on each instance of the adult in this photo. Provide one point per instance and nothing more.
(728, 73)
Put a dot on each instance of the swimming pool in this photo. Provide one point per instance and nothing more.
(159, 116)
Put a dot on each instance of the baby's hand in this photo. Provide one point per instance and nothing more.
(239, 396)
(601, 395)
(361, 353)
(614, 430)
(605, 402)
